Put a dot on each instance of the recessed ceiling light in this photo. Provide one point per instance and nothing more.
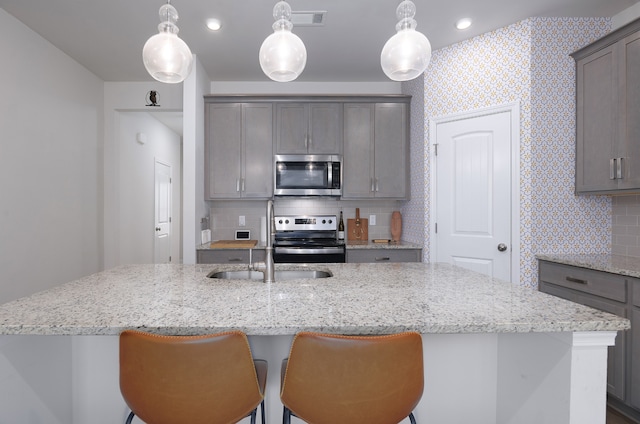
(463, 23)
(214, 24)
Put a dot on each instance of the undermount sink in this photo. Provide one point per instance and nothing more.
(280, 275)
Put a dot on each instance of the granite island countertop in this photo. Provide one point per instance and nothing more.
(615, 264)
(358, 299)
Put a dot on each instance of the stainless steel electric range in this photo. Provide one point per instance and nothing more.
(307, 239)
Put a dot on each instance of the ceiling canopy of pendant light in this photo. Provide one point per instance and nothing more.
(406, 55)
(283, 55)
(166, 57)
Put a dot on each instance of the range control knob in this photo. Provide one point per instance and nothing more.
(324, 221)
(286, 221)
(280, 222)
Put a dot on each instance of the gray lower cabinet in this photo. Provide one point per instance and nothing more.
(634, 395)
(610, 293)
(376, 151)
(608, 112)
(384, 255)
(228, 256)
(309, 128)
(239, 150)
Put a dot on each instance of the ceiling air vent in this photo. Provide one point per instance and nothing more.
(311, 18)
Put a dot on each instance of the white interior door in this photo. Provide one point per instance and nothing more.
(473, 189)
(162, 239)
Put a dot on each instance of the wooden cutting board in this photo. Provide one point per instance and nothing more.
(233, 244)
(357, 228)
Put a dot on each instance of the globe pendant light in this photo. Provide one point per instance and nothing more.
(283, 55)
(166, 57)
(406, 55)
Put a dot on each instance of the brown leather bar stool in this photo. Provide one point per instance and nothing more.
(209, 379)
(333, 379)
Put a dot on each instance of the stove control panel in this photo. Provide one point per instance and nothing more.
(306, 223)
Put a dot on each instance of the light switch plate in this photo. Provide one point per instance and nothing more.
(372, 220)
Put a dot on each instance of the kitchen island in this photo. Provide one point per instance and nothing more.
(494, 352)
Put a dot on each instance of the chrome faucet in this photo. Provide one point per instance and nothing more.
(267, 267)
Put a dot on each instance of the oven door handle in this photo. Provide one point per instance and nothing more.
(302, 251)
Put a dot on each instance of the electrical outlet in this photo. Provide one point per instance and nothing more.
(241, 221)
(372, 220)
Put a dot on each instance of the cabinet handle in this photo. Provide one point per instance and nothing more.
(306, 141)
(386, 258)
(612, 165)
(234, 260)
(237, 184)
(372, 181)
(242, 185)
(377, 186)
(619, 169)
(576, 280)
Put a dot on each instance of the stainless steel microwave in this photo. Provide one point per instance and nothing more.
(308, 175)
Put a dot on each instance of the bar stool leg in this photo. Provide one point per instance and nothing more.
(130, 417)
(286, 415)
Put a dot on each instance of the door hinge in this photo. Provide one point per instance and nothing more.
(436, 228)
(169, 258)
(435, 146)
(169, 219)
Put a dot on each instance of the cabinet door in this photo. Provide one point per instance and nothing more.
(257, 151)
(391, 151)
(629, 147)
(325, 128)
(597, 108)
(224, 141)
(383, 255)
(292, 123)
(358, 158)
(634, 353)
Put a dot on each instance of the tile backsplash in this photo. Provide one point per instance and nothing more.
(625, 222)
(224, 215)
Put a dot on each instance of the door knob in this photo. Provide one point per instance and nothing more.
(502, 247)
(157, 228)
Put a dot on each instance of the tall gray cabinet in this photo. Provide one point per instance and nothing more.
(608, 113)
(239, 148)
(376, 150)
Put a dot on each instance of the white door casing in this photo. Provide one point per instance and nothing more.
(475, 186)
(162, 231)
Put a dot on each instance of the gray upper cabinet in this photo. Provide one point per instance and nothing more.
(239, 150)
(376, 151)
(309, 128)
(608, 113)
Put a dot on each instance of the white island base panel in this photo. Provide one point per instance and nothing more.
(506, 378)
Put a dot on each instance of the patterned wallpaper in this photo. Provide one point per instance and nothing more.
(415, 211)
(526, 62)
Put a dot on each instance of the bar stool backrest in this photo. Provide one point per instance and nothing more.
(206, 379)
(333, 379)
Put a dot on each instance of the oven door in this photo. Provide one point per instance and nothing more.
(309, 255)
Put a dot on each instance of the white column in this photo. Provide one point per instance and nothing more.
(588, 399)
